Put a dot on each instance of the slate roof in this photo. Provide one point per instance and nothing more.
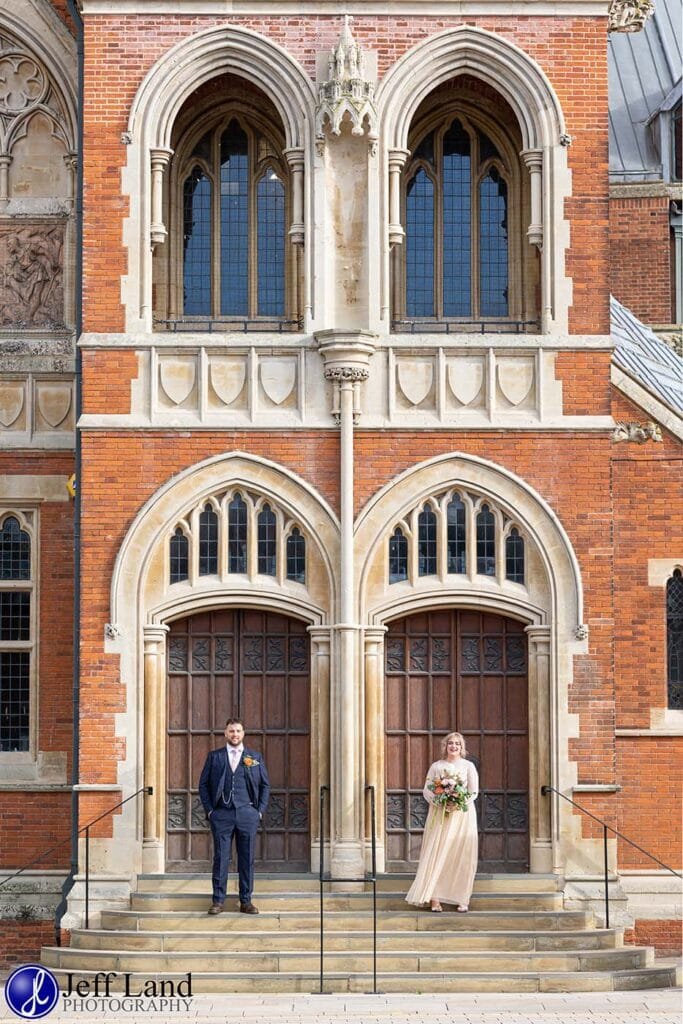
(641, 354)
(644, 68)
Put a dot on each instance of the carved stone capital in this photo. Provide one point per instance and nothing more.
(581, 631)
(347, 373)
(637, 433)
(629, 15)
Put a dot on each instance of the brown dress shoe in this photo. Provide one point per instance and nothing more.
(248, 908)
(216, 908)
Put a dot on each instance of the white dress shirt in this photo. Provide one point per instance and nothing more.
(234, 755)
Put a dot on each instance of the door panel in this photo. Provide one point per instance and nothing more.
(467, 672)
(256, 666)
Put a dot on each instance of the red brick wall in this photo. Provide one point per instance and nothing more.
(666, 936)
(21, 941)
(640, 248)
(107, 378)
(32, 822)
(120, 49)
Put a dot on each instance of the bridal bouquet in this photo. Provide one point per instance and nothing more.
(449, 793)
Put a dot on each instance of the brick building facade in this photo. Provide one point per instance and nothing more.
(331, 474)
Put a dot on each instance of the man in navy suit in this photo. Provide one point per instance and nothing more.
(234, 790)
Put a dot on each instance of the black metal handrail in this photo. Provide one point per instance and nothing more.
(147, 790)
(372, 878)
(437, 325)
(213, 325)
(605, 829)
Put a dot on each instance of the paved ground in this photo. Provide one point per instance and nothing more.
(659, 1006)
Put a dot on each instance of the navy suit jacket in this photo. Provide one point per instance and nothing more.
(212, 779)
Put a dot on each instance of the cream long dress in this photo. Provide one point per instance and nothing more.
(448, 858)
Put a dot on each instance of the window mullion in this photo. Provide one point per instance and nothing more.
(216, 199)
(475, 191)
(252, 228)
(438, 225)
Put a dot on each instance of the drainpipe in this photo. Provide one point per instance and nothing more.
(78, 327)
(347, 357)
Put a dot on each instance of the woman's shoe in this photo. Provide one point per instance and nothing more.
(461, 910)
(435, 907)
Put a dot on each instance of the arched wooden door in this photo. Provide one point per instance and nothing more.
(254, 665)
(461, 671)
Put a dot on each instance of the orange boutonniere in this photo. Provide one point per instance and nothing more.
(249, 762)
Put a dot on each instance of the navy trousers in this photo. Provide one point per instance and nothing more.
(242, 823)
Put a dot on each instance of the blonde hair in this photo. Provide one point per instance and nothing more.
(453, 736)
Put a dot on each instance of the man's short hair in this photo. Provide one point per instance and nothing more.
(234, 721)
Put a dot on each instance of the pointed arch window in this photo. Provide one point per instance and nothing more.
(426, 545)
(17, 636)
(514, 556)
(674, 640)
(398, 556)
(486, 542)
(457, 249)
(296, 557)
(180, 556)
(267, 543)
(457, 543)
(208, 542)
(235, 198)
(237, 534)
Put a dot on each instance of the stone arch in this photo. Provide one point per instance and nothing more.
(552, 612)
(478, 52)
(526, 88)
(142, 606)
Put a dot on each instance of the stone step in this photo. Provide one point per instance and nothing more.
(405, 920)
(349, 901)
(201, 883)
(459, 962)
(309, 939)
(414, 982)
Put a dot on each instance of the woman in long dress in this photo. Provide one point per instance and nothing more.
(448, 858)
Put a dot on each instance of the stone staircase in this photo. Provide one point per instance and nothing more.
(516, 938)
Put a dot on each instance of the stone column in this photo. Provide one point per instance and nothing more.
(159, 159)
(540, 770)
(397, 159)
(320, 735)
(533, 158)
(346, 355)
(374, 736)
(5, 161)
(154, 763)
(295, 159)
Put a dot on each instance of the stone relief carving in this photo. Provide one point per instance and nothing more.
(415, 379)
(466, 377)
(23, 82)
(629, 15)
(31, 285)
(638, 433)
(515, 379)
(346, 93)
(31, 406)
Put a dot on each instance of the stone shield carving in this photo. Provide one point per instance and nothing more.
(277, 378)
(465, 379)
(177, 378)
(515, 379)
(11, 403)
(415, 380)
(227, 378)
(54, 402)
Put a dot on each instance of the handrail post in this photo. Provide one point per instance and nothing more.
(322, 883)
(87, 877)
(373, 840)
(604, 850)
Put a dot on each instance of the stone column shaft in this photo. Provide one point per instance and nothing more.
(154, 752)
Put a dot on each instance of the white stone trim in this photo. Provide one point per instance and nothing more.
(436, 8)
(665, 416)
(265, 339)
(18, 488)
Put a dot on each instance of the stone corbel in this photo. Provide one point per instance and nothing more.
(159, 159)
(629, 15)
(347, 95)
(397, 159)
(295, 159)
(533, 158)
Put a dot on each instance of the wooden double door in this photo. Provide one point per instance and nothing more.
(253, 665)
(458, 671)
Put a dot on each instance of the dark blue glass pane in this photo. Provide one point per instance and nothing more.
(425, 150)
(493, 245)
(457, 229)
(398, 557)
(456, 537)
(674, 639)
(15, 669)
(487, 150)
(270, 202)
(237, 535)
(426, 547)
(420, 246)
(296, 557)
(234, 222)
(514, 557)
(197, 244)
(266, 541)
(208, 542)
(486, 542)
(179, 556)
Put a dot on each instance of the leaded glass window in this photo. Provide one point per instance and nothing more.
(296, 557)
(426, 547)
(235, 200)
(457, 548)
(398, 556)
(16, 635)
(267, 545)
(457, 247)
(674, 639)
(486, 542)
(208, 542)
(237, 534)
(179, 556)
(514, 557)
